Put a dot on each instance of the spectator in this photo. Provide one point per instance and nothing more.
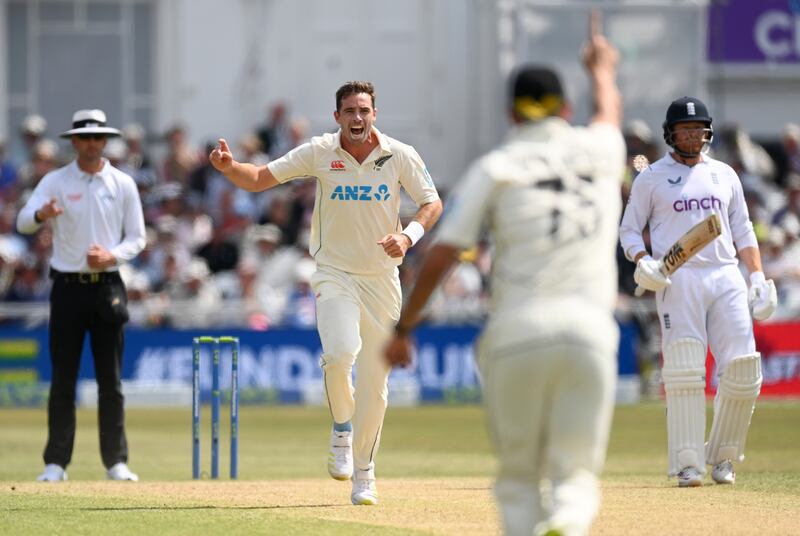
(790, 158)
(193, 296)
(734, 146)
(181, 159)
(301, 308)
(138, 163)
(8, 176)
(42, 161)
(32, 131)
(274, 134)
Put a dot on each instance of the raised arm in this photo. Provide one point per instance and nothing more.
(600, 59)
(244, 175)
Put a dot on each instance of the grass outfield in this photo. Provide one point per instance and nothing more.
(434, 477)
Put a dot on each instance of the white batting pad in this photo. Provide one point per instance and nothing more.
(736, 398)
(684, 384)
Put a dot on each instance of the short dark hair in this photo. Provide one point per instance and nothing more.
(536, 92)
(353, 88)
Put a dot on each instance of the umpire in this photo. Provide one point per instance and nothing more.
(97, 224)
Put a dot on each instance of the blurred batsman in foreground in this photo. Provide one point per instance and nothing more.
(705, 303)
(550, 197)
(357, 242)
(98, 224)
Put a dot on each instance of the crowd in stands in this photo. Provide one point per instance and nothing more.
(219, 256)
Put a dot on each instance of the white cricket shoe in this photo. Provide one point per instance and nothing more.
(364, 490)
(120, 471)
(52, 473)
(340, 455)
(723, 473)
(690, 477)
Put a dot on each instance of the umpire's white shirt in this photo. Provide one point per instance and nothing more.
(551, 198)
(673, 198)
(356, 204)
(101, 208)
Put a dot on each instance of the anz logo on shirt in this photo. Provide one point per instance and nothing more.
(361, 192)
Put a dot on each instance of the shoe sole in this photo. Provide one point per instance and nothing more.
(340, 478)
(364, 502)
(690, 484)
(724, 482)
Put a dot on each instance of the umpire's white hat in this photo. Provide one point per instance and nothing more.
(90, 122)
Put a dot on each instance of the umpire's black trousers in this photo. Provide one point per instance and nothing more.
(81, 303)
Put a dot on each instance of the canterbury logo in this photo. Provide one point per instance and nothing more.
(74, 197)
(380, 162)
(337, 165)
(675, 181)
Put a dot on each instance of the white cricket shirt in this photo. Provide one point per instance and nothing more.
(673, 198)
(101, 208)
(356, 204)
(551, 198)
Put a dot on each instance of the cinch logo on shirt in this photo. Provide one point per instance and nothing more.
(362, 192)
(337, 165)
(685, 205)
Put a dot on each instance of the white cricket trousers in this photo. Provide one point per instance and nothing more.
(549, 377)
(709, 304)
(355, 318)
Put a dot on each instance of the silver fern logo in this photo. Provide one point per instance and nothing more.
(380, 162)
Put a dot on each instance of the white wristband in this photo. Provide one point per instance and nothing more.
(414, 231)
(757, 278)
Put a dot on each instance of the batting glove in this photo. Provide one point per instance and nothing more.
(648, 274)
(762, 297)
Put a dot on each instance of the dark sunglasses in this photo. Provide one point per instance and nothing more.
(91, 136)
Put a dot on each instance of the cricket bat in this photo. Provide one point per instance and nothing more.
(690, 243)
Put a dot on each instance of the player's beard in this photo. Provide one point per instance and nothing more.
(692, 147)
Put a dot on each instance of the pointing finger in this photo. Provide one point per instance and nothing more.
(595, 23)
(223, 146)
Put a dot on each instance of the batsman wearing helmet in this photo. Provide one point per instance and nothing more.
(550, 196)
(706, 303)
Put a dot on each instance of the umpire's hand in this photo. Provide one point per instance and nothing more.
(49, 210)
(99, 257)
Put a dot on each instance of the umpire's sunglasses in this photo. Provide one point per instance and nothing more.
(91, 136)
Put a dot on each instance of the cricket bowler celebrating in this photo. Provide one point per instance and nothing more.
(550, 198)
(357, 242)
(706, 302)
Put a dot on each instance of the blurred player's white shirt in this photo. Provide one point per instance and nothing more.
(551, 198)
(356, 204)
(673, 198)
